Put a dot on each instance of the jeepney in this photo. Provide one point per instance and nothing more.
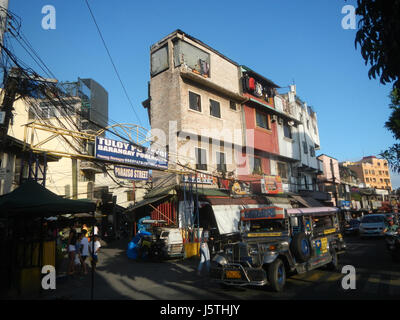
(275, 242)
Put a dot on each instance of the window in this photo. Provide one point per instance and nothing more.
(305, 147)
(366, 171)
(262, 120)
(367, 179)
(191, 56)
(312, 151)
(282, 170)
(201, 159)
(159, 60)
(215, 109)
(287, 130)
(232, 105)
(257, 168)
(194, 101)
(221, 163)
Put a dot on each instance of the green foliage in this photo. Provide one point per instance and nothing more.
(378, 36)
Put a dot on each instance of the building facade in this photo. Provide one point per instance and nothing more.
(373, 172)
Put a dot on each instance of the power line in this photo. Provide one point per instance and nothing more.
(112, 62)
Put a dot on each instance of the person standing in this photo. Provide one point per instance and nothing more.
(84, 251)
(204, 253)
(95, 253)
(71, 251)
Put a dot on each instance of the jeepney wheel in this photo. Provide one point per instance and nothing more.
(334, 264)
(277, 275)
(301, 247)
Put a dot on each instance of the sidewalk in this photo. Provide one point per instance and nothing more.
(118, 277)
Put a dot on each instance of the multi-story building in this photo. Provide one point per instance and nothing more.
(80, 106)
(373, 172)
(303, 128)
(194, 107)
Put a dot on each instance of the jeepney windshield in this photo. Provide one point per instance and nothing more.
(264, 225)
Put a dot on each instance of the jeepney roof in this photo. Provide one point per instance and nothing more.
(314, 211)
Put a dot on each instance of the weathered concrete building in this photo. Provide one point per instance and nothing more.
(194, 106)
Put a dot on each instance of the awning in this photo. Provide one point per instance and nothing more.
(307, 201)
(145, 202)
(281, 202)
(31, 199)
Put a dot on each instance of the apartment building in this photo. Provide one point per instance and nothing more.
(81, 106)
(299, 140)
(194, 107)
(373, 172)
(224, 119)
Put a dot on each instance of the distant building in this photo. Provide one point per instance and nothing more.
(373, 172)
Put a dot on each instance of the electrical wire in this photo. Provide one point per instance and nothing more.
(112, 61)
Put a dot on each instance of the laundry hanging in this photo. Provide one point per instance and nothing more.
(252, 84)
(258, 89)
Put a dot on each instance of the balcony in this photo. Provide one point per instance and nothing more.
(90, 166)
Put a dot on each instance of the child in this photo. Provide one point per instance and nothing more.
(94, 254)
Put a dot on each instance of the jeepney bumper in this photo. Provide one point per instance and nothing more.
(238, 275)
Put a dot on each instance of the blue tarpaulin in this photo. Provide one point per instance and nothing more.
(132, 251)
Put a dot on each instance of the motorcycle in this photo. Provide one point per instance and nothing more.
(393, 245)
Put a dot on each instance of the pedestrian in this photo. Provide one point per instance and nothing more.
(94, 254)
(204, 253)
(392, 227)
(71, 251)
(84, 251)
(77, 260)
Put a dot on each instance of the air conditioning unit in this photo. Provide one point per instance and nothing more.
(274, 118)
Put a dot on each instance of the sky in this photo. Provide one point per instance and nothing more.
(301, 42)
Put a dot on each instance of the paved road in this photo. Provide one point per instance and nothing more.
(117, 277)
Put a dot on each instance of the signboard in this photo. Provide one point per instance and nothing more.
(271, 185)
(201, 178)
(124, 152)
(131, 173)
(262, 213)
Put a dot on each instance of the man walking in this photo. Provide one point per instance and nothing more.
(204, 253)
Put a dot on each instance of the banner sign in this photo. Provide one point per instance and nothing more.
(271, 185)
(131, 173)
(262, 213)
(124, 152)
(201, 178)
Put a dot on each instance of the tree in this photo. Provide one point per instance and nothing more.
(378, 36)
(392, 155)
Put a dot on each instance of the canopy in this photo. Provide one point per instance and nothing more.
(32, 199)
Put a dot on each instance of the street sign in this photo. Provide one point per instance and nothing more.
(124, 152)
(131, 173)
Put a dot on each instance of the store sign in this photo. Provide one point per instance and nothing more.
(262, 213)
(131, 173)
(201, 178)
(124, 152)
(271, 185)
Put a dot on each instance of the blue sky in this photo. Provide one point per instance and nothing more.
(285, 41)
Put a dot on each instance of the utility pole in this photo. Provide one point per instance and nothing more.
(334, 183)
(10, 91)
(3, 19)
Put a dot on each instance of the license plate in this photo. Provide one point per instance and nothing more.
(233, 274)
